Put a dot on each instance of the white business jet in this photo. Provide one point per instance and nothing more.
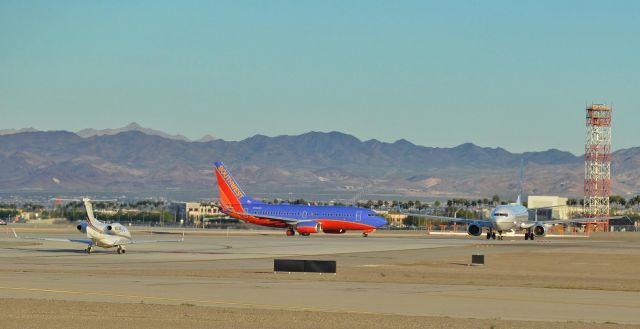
(102, 235)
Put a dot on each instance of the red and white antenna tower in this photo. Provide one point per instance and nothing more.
(597, 161)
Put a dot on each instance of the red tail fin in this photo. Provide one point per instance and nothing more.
(232, 197)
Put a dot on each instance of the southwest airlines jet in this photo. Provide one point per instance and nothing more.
(295, 218)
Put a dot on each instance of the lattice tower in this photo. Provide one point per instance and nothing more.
(597, 161)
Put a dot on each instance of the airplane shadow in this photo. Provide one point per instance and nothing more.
(113, 251)
(73, 251)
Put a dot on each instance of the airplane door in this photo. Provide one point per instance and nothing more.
(304, 214)
(358, 216)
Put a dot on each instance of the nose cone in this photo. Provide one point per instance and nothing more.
(504, 226)
(380, 221)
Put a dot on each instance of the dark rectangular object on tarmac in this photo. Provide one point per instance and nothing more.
(477, 259)
(320, 266)
(288, 265)
(312, 266)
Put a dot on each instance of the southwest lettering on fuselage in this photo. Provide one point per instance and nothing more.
(296, 218)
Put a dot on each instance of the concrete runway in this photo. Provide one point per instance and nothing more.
(236, 271)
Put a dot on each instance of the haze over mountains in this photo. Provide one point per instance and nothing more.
(137, 159)
(90, 132)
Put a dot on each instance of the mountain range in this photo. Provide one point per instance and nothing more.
(319, 165)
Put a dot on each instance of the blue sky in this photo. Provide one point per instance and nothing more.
(514, 74)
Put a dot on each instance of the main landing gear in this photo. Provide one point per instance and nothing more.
(365, 234)
(121, 250)
(291, 232)
(492, 235)
(529, 236)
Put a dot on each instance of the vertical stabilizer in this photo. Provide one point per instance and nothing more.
(231, 195)
(94, 226)
(89, 207)
(520, 183)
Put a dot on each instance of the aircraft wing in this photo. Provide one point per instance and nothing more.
(479, 222)
(563, 221)
(83, 241)
(87, 242)
(548, 207)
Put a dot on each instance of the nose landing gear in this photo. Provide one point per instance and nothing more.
(121, 250)
(492, 235)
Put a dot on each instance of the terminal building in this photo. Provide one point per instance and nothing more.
(558, 208)
(396, 220)
(195, 212)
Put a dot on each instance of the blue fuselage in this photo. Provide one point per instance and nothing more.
(331, 217)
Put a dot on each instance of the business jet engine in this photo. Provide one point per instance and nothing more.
(306, 228)
(474, 230)
(540, 230)
(82, 227)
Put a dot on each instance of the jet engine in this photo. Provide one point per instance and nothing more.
(539, 230)
(307, 228)
(474, 230)
(82, 227)
(109, 227)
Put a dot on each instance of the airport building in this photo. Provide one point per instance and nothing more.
(190, 212)
(395, 219)
(558, 208)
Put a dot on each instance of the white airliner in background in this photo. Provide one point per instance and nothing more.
(511, 217)
(101, 234)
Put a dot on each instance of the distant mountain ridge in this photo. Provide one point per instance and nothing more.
(90, 132)
(316, 163)
(134, 126)
(16, 131)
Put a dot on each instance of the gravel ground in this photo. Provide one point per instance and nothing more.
(30, 313)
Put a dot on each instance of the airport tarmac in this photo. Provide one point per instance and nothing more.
(406, 277)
